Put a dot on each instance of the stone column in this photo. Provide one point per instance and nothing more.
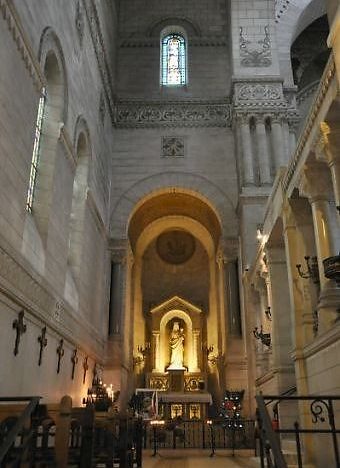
(195, 363)
(116, 290)
(327, 238)
(327, 149)
(247, 151)
(279, 152)
(292, 127)
(157, 351)
(263, 151)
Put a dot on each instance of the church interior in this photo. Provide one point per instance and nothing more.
(170, 218)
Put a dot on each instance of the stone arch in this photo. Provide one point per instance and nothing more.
(168, 182)
(192, 29)
(82, 145)
(50, 44)
(298, 15)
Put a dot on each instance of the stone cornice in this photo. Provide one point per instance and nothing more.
(151, 114)
(203, 41)
(12, 19)
(101, 54)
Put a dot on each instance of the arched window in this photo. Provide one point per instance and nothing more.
(173, 60)
(36, 151)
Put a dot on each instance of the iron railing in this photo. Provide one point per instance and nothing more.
(318, 417)
(220, 434)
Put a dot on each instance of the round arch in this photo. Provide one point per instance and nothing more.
(171, 182)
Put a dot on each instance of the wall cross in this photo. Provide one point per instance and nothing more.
(74, 360)
(60, 352)
(20, 327)
(85, 367)
(43, 343)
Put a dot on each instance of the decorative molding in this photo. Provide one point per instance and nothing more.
(320, 95)
(254, 57)
(101, 54)
(80, 22)
(150, 114)
(12, 19)
(28, 290)
(281, 7)
(203, 41)
(102, 108)
(173, 147)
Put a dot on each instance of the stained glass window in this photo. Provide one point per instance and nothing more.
(173, 60)
(36, 150)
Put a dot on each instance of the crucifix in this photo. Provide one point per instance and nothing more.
(43, 343)
(60, 352)
(74, 360)
(20, 327)
(85, 367)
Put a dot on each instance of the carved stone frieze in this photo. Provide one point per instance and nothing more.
(251, 54)
(259, 95)
(159, 383)
(134, 114)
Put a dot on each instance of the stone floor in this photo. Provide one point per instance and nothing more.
(198, 459)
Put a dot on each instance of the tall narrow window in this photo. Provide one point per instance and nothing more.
(173, 60)
(36, 150)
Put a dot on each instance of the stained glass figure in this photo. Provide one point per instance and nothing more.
(36, 151)
(173, 60)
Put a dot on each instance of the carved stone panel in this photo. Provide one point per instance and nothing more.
(173, 147)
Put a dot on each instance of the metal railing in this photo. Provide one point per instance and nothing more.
(18, 427)
(318, 418)
(218, 434)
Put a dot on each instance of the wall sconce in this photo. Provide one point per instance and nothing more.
(312, 270)
(268, 313)
(142, 352)
(265, 338)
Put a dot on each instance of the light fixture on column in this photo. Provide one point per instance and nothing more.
(265, 338)
(142, 352)
(268, 313)
(312, 271)
(259, 232)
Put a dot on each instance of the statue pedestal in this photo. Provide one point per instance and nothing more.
(176, 380)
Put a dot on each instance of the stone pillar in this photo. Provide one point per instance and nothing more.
(279, 152)
(292, 136)
(196, 335)
(327, 238)
(115, 320)
(281, 323)
(327, 149)
(233, 299)
(157, 351)
(263, 151)
(247, 152)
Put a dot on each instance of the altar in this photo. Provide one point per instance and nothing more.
(178, 370)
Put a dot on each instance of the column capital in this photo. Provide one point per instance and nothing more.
(316, 182)
(121, 251)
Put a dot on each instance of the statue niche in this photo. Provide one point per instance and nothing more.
(176, 342)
